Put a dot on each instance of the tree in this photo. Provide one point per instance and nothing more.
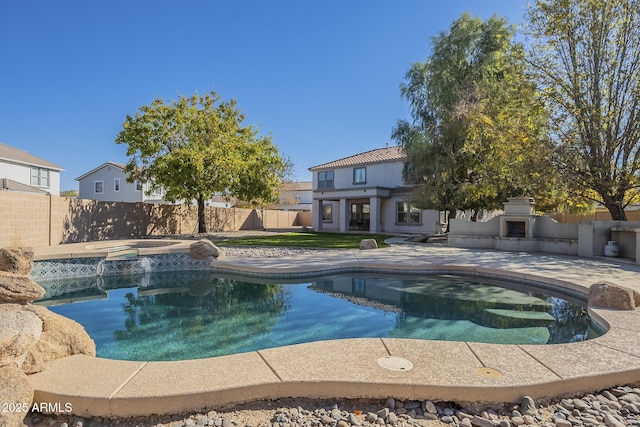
(197, 147)
(586, 57)
(477, 135)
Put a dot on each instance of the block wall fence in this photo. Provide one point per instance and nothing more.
(37, 220)
(599, 215)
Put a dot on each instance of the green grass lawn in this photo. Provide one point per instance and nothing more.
(308, 240)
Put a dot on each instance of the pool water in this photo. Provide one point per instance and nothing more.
(190, 315)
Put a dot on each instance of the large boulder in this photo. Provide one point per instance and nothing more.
(16, 260)
(18, 288)
(609, 295)
(17, 393)
(204, 249)
(368, 244)
(60, 337)
(20, 330)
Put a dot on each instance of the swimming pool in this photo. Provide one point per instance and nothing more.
(198, 314)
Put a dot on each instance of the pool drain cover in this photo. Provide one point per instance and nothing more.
(488, 372)
(395, 363)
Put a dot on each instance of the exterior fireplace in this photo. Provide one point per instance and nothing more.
(516, 228)
(519, 218)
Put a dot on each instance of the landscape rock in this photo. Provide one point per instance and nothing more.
(20, 330)
(360, 413)
(611, 421)
(16, 260)
(16, 393)
(429, 407)
(480, 422)
(18, 288)
(203, 249)
(60, 337)
(368, 244)
(560, 422)
(609, 295)
(528, 406)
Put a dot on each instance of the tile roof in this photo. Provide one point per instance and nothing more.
(379, 155)
(16, 155)
(11, 185)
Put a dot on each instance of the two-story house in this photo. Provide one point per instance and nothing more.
(295, 196)
(108, 183)
(24, 172)
(366, 192)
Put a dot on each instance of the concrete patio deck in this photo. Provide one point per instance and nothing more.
(355, 368)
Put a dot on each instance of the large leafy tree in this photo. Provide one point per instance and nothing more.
(197, 147)
(477, 134)
(586, 55)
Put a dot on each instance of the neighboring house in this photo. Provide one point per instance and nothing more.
(21, 171)
(295, 196)
(221, 202)
(366, 192)
(108, 183)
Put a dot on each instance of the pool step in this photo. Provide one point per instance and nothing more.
(489, 296)
(518, 318)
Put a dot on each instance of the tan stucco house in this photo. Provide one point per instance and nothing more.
(366, 192)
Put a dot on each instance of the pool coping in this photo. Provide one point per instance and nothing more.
(350, 368)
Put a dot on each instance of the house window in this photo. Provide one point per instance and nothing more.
(408, 214)
(138, 185)
(156, 190)
(359, 175)
(116, 184)
(98, 187)
(325, 179)
(327, 213)
(40, 177)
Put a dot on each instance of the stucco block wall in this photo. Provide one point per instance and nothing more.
(599, 215)
(586, 239)
(24, 219)
(547, 227)
(464, 227)
(37, 220)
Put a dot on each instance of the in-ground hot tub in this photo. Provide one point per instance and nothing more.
(131, 256)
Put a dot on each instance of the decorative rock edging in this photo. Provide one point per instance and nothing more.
(30, 336)
(618, 406)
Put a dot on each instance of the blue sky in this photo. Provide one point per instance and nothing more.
(321, 76)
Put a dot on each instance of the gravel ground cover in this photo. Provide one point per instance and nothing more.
(615, 407)
(268, 252)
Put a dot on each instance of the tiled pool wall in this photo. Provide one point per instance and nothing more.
(98, 266)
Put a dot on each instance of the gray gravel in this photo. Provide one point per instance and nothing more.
(616, 407)
(268, 252)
